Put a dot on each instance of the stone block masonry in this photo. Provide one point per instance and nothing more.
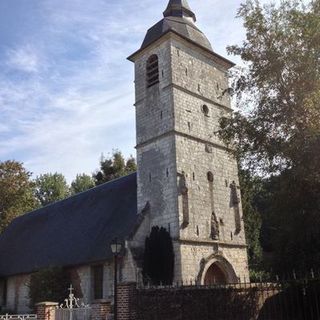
(185, 173)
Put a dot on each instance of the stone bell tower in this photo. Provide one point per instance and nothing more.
(186, 177)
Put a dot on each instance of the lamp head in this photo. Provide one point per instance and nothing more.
(116, 246)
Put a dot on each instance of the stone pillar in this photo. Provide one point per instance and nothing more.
(100, 309)
(46, 310)
(126, 301)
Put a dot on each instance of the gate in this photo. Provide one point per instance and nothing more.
(73, 314)
(73, 309)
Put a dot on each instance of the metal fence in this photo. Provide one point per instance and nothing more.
(18, 317)
(73, 314)
(282, 300)
(72, 308)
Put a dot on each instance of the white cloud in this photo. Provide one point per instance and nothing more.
(23, 59)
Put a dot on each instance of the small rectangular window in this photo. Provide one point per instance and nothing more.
(97, 272)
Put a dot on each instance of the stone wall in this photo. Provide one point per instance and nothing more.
(157, 183)
(155, 142)
(197, 257)
(82, 279)
(18, 286)
(18, 294)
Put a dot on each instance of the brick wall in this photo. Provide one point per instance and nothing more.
(241, 301)
(127, 294)
(100, 310)
(46, 310)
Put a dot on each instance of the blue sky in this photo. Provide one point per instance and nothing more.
(66, 88)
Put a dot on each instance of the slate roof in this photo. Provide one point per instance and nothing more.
(179, 18)
(180, 25)
(179, 8)
(71, 232)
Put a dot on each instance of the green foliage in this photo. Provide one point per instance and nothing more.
(81, 183)
(281, 88)
(15, 192)
(49, 285)
(276, 133)
(19, 194)
(114, 167)
(291, 215)
(260, 276)
(50, 188)
(250, 188)
(158, 260)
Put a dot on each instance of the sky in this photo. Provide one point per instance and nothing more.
(66, 88)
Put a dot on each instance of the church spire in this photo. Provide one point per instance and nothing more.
(179, 8)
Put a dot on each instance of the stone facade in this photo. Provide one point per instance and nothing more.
(82, 279)
(185, 173)
(18, 294)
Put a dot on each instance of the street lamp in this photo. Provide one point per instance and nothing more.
(116, 249)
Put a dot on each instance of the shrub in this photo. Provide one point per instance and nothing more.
(158, 260)
(49, 284)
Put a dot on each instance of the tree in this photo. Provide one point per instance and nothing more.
(250, 189)
(276, 132)
(291, 219)
(50, 188)
(81, 183)
(49, 284)
(281, 86)
(114, 167)
(158, 260)
(16, 195)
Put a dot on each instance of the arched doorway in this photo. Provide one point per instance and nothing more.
(215, 275)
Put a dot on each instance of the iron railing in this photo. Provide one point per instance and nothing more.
(73, 314)
(18, 317)
(273, 300)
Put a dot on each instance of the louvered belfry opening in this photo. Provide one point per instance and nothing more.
(152, 71)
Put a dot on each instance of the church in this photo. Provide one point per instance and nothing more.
(186, 182)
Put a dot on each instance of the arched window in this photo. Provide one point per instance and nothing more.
(152, 71)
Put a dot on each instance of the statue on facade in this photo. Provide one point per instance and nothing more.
(215, 232)
(184, 190)
(235, 203)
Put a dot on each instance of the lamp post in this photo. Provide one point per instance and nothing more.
(116, 249)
